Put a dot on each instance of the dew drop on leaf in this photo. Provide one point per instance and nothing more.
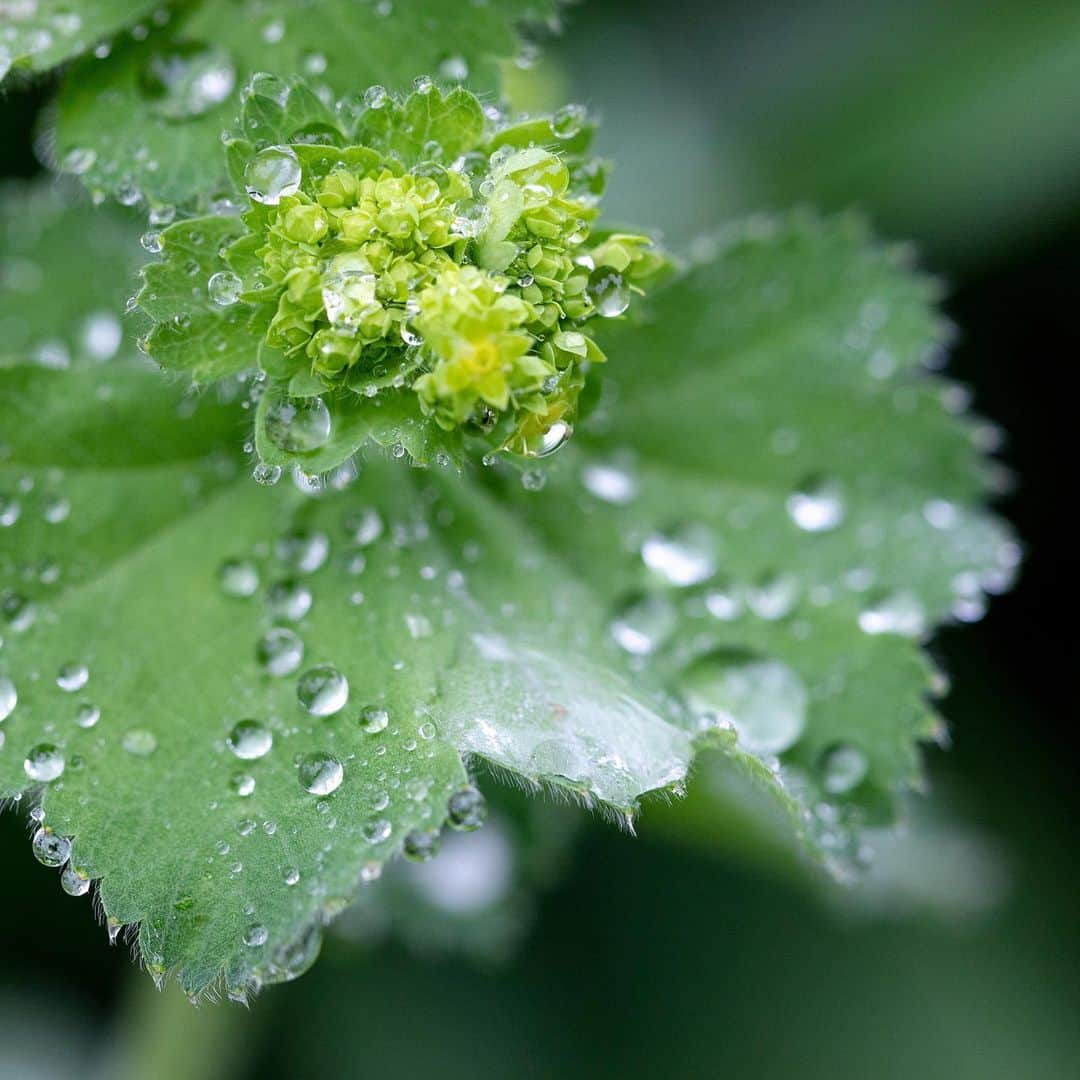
(609, 292)
(279, 651)
(9, 697)
(377, 830)
(87, 715)
(187, 79)
(421, 845)
(373, 719)
(72, 677)
(764, 700)
(272, 174)
(256, 936)
(224, 288)
(684, 556)
(894, 613)
(50, 849)
(466, 809)
(238, 577)
(242, 784)
(250, 740)
(289, 600)
(320, 773)
(44, 763)
(73, 883)
(843, 767)
(643, 624)
(817, 506)
(298, 425)
(139, 742)
(322, 690)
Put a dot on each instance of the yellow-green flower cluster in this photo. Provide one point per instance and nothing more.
(473, 284)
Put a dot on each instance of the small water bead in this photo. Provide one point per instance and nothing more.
(364, 527)
(272, 174)
(44, 763)
(843, 767)
(423, 84)
(56, 509)
(152, 242)
(72, 677)
(377, 830)
(139, 742)
(375, 97)
(817, 506)
(303, 551)
(224, 288)
(610, 483)
(267, 475)
(101, 335)
(187, 79)
(320, 773)
(9, 697)
(73, 883)
(314, 63)
(373, 719)
(644, 623)
(250, 740)
(10, 509)
(87, 715)
(422, 845)
(899, 612)
(568, 121)
(289, 600)
(256, 936)
(242, 784)
(609, 292)
(533, 479)
(297, 425)
(684, 556)
(764, 700)
(79, 160)
(239, 577)
(279, 652)
(773, 596)
(466, 809)
(322, 690)
(290, 875)
(50, 849)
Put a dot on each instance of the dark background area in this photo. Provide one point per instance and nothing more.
(655, 960)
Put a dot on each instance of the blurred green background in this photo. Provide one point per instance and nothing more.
(951, 124)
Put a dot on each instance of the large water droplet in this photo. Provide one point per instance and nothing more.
(73, 883)
(50, 849)
(609, 292)
(421, 845)
(44, 763)
(764, 700)
(250, 740)
(279, 651)
(320, 773)
(322, 690)
(187, 79)
(297, 425)
(72, 677)
(256, 935)
(224, 288)
(272, 174)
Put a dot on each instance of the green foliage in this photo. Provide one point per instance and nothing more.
(145, 123)
(231, 704)
(417, 247)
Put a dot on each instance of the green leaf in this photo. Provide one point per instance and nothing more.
(164, 145)
(39, 34)
(477, 614)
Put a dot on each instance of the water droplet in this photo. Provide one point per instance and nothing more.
(44, 763)
(320, 773)
(568, 121)
(10, 509)
(303, 551)
(272, 174)
(239, 577)
(421, 845)
(375, 97)
(684, 556)
(289, 600)
(72, 677)
(373, 719)
(224, 288)
(364, 527)
(102, 335)
(552, 440)
(187, 79)
(256, 936)
(773, 596)
(242, 784)
(151, 241)
(611, 483)
(73, 883)
(56, 509)
(610, 294)
(322, 690)
(279, 651)
(817, 506)
(899, 612)
(314, 63)
(87, 715)
(290, 875)
(139, 742)
(423, 84)
(19, 612)
(843, 767)
(267, 475)
(298, 425)
(79, 160)
(643, 624)
(466, 809)
(764, 700)
(9, 697)
(50, 849)
(249, 740)
(377, 830)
